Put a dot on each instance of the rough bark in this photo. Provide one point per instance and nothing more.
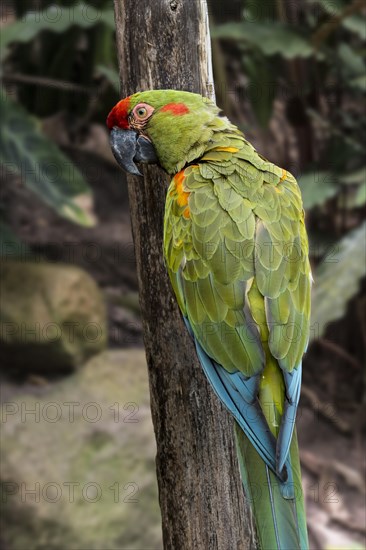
(165, 44)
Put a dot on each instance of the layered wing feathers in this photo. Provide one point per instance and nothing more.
(241, 218)
(234, 228)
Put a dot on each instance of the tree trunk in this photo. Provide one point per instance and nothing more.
(165, 44)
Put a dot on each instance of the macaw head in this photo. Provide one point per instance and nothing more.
(166, 127)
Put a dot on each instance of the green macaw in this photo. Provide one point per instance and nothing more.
(236, 251)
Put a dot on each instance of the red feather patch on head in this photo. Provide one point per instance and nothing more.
(119, 114)
(176, 108)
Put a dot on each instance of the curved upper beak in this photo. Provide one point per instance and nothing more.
(129, 147)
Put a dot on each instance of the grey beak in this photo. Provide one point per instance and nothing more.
(129, 147)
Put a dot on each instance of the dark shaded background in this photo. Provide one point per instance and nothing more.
(291, 75)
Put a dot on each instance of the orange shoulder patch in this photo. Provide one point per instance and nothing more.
(182, 198)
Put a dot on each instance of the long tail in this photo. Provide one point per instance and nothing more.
(280, 522)
(278, 506)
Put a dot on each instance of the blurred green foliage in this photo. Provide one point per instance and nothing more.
(309, 57)
(337, 278)
(65, 41)
(54, 58)
(44, 169)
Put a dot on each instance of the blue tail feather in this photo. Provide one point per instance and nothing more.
(239, 397)
(293, 388)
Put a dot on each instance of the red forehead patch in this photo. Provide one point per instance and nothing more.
(176, 108)
(119, 114)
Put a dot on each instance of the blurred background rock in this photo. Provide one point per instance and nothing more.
(77, 440)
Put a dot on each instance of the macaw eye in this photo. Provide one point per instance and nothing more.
(142, 111)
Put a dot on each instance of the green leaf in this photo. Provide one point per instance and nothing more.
(356, 24)
(337, 279)
(110, 74)
(270, 38)
(43, 167)
(354, 178)
(360, 198)
(358, 82)
(353, 23)
(352, 67)
(317, 188)
(351, 59)
(55, 19)
(357, 198)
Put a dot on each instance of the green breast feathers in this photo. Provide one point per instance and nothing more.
(236, 250)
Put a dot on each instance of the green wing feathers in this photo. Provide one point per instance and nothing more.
(230, 219)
